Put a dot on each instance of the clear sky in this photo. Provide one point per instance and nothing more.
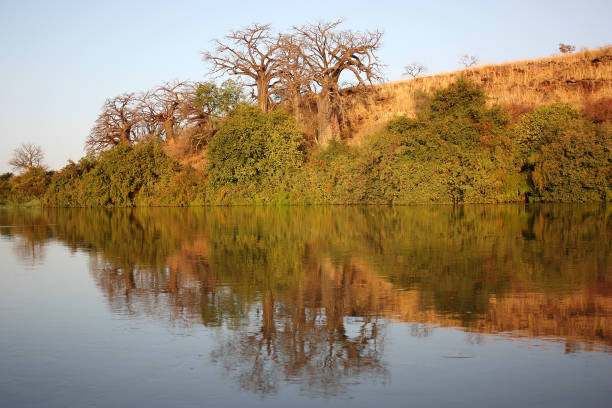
(61, 59)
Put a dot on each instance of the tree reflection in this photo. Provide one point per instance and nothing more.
(304, 294)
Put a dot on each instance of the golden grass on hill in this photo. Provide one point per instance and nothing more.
(579, 79)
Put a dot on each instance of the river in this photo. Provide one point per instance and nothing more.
(475, 306)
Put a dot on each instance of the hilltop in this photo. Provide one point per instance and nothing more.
(582, 79)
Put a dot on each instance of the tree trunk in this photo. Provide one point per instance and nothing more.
(262, 95)
(268, 327)
(126, 134)
(169, 128)
(297, 111)
(326, 118)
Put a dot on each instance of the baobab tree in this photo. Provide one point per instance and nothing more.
(26, 157)
(249, 52)
(326, 54)
(116, 123)
(294, 82)
(161, 107)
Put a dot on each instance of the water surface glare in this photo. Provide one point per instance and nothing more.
(473, 306)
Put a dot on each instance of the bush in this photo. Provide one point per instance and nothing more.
(65, 188)
(29, 186)
(5, 187)
(254, 155)
(456, 150)
(332, 175)
(563, 156)
(125, 176)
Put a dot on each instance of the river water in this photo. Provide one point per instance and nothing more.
(473, 306)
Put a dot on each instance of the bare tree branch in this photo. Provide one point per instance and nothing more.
(249, 52)
(326, 54)
(414, 70)
(469, 61)
(116, 123)
(161, 108)
(26, 156)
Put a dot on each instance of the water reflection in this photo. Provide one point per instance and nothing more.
(306, 293)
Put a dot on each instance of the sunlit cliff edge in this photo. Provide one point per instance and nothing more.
(582, 79)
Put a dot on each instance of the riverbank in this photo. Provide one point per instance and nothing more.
(456, 148)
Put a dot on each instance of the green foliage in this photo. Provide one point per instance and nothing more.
(254, 154)
(126, 176)
(215, 100)
(332, 175)
(563, 156)
(5, 187)
(28, 187)
(65, 186)
(456, 150)
(460, 100)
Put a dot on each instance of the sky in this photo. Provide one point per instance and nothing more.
(61, 59)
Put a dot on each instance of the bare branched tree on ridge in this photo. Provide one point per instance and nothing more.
(469, 61)
(116, 123)
(327, 53)
(162, 107)
(26, 157)
(249, 52)
(294, 81)
(414, 70)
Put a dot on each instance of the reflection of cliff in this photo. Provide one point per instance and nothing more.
(580, 320)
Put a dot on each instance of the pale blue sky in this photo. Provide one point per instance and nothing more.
(61, 59)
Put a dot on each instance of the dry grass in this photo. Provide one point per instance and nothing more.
(581, 79)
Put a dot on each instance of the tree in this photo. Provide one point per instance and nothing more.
(327, 53)
(207, 102)
(161, 108)
(249, 52)
(294, 82)
(116, 123)
(414, 70)
(469, 61)
(26, 157)
(254, 149)
(566, 48)
(564, 156)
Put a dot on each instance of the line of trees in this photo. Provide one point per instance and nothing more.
(294, 68)
(162, 113)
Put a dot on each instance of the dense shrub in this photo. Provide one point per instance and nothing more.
(333, 174)
(29, 186)
(5, 187)
(65, 187)
(455, 150)
(253, 155)
(563, 156)
(141, 175)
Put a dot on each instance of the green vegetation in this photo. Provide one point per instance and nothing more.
(563, 156)
(25, 189)
(254, 154)
(457, 149)
(141, 175)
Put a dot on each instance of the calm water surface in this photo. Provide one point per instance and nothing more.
(330, 306)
